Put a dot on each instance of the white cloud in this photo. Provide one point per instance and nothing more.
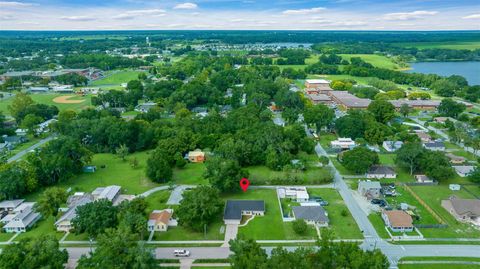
(473, 16)
(303, 11)
(157, 12)
(186, 6)
(403, 16)
(77, 18)
(14, 4)
(336, 23)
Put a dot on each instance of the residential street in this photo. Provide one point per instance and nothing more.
(25, 151)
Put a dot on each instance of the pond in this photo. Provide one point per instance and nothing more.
(469, 70)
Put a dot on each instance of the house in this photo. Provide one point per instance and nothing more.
(424, 137)
(45, 126)
(381, 171)
(298, 194)
(200, 111)
(423, 179)
(14, 140)
(369, 189)
(64, 223)
(343, 143)
(463, 170)
(159, 220)
(38, 89)
(398, 220)
(441, 119)
(10, 205)
(313, 215)
(319, 98)
(235, 209)
(20, 221)
(464, 210)
(110, 193)
(348, 100)
(434, 146)
(21, 132)
(392, 146)
(454, 159)
(196, 156)
(145, 107)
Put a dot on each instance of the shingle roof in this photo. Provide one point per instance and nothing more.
(11, 203)
(380, 170)
(312, 213)
(463, 206)
(72, 211)
(162, 216)
(434, 144)
(399, 218)
(234, 208)
(369, 185)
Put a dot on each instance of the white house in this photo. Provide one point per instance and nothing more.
(398, 220)
(343, 143)
(313, 215)
(381, 171)
(463, 170)
(20, 221)
(369, 189)
(392, 146)
(298, 194)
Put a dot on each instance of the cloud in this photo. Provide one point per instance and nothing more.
(14, 4)
(186, 6)
(77, 18)
(337, 23)
(303, 11)
(473, 16)
(132, 14)
(403, 16)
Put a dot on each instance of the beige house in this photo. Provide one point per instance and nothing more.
(464, 210)
(196, 156)
(398, 220)
(159, 220)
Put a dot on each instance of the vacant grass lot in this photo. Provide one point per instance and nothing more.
(432, 195)
(181, 233)
(261, 173)
(344, 227)
(116, 78)
(192, 173)
(157, 200)
(376, 60)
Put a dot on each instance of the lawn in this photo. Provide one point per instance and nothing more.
(181, 233)
(157, 200)
(344, 227)
(313, 175)
(270, 226)
(42, 227)
(432, 195)
(376, 60)
(116, 78)
(192, 173)
(379, 225)
(47, 99)
(389, 160)
(325, 139)
(437, 266)
(4, 237)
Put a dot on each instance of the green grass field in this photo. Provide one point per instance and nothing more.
(376, 60)
(437, 266)
(157, 201)
(47, 99)
(42, 227)
(181, 233)
(192, 173)
(116, 78)
(343, 227)
(468, 45)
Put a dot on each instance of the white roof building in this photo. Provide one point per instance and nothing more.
(110, 193)
(343, 143)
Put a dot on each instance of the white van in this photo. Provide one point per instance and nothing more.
(181, 253)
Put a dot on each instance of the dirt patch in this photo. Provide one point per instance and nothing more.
(66, 100)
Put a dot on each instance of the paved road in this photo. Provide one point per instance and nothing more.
(25, 151)
(150, 191)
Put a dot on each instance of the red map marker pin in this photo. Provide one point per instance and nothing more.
(244, 184)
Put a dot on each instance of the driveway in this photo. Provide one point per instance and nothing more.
(230, 233)
(177, 194)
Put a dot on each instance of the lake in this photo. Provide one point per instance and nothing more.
(468, 70)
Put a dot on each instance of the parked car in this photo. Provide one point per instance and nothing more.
(380, 202)
(181, 253)
(319, 200)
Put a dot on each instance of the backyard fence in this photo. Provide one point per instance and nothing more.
(439, 226)
(429, 209)
(421, 183)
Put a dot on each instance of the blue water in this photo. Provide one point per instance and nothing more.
(468, 70)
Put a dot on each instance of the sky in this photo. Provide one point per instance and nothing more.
(240, 15)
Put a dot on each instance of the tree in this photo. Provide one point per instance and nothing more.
(158, 167)
(119, 249)
(475, 176)
(408, 156)
(359, 159)
(451, 108)
(34, 252)
(95, 217)
(405, 110)
(132, 216)
(122, 151)
(199, 207)
(50, 201)
(247, 254)
(436, 165)
(382, 110)
(299, 226)
(320, 115)
(17, 179)
(224, 174)
(376, 133)
(354, 124)
(30, 122)
(20, 102)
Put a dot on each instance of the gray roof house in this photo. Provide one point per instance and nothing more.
(435, 146)
(314, 215)
(463, 170)
(64, 222)
(21, 221)
(464, 210)
(381, 171)
(110, 193)
(10, 205)
(392, 146)
(369, 189)
(235, 209)
(145, 107)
